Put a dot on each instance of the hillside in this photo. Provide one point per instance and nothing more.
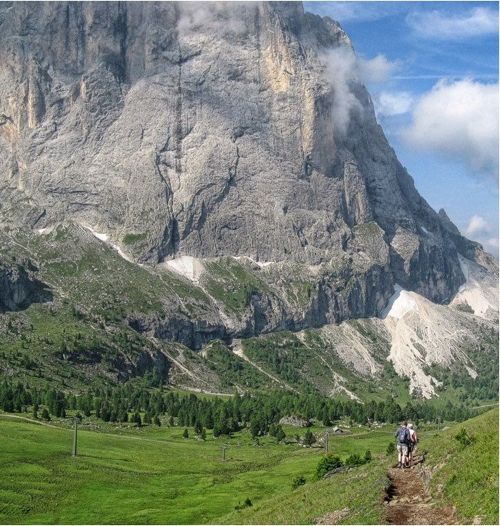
(465, 472)
(160, 477)
(461, 478)
(109, 319)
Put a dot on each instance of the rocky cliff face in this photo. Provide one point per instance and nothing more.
(19, 287)
(211, 130)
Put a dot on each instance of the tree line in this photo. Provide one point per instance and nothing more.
(257, 412)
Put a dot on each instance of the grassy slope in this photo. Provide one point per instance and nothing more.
(467, 476)
(156, 476)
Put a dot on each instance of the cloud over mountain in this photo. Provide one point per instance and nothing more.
(442, 25)
(458, 119)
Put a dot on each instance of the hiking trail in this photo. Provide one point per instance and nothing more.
(408, 501)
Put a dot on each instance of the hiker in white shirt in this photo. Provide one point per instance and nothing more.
(412, 443)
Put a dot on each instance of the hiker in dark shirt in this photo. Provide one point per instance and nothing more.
(402, 440)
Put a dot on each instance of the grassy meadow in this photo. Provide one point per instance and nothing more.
(156, 475)
(153, 475)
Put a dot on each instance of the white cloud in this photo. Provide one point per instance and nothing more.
(354, 11)
(342, 71)
(458, 119)
(378, 69)
(442, 25)
(481, 230)
(345, 68)
(388, 104)
(492, 243)
(477, 225)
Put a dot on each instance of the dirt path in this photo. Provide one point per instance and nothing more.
(408, 502)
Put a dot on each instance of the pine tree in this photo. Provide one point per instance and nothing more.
(157, 421)
(185, 434)
(309, 438)
(198, 427)
(136, 419)
(45, 414)
(280, 434)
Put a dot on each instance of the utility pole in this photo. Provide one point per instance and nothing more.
(75, 436)
(327, 439)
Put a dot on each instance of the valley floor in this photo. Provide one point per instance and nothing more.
(153, 475)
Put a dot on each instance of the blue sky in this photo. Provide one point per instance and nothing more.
(432, 71)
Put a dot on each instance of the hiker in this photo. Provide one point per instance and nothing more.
(412, 444)
(402, 439)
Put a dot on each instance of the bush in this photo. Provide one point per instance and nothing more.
(185, 434)
(368, 456)
(326, 464)
(463, 438)
(354, 460)
(246, 504)
(391, 449)
(45, 414)
(309, 438)
(298, 481)
(465, 307)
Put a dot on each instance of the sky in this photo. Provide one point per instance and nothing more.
(432, 71)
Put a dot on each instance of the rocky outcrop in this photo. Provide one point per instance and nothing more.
(19, 288)
(213, 130)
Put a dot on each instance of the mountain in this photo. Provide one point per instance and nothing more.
(181, 172)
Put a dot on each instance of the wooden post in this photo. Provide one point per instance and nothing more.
(327, 438)
(75, 437)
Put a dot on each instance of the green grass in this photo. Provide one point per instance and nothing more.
(467, 476)
(130, 239)
(232, 284)
(154, 475)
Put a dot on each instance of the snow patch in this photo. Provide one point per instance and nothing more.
(46, 230)
(471, 372)
(400, 303)
(102, 237)
(106, 239)
(188, 266)
(425, 230)
(261, 264)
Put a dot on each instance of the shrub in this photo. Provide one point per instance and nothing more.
(354, 460)
(245, 504)
(298, 481)
(465, 307)
(326, 464)
(463, 438)
(391, 449)
(309, 438)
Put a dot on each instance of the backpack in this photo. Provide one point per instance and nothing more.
(403, 435)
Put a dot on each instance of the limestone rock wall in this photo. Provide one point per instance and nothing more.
(209, 130)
